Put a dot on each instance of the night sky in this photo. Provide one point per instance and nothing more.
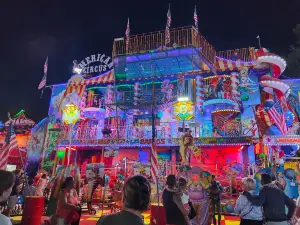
(67, 30)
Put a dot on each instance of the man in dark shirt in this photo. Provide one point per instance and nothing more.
(13, 198)
(273, 201)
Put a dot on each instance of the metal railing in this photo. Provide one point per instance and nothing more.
(179, 37)
(244, 54)
(163, 130)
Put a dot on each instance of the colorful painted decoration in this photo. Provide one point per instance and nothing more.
(184, 110)
(71, 114)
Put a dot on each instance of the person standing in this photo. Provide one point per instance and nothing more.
(67, 202)
(273, 201)
(296, 217)
(13, 198)
(40, 187)
(248, 213)
(136, 200)
(6, 185)
(215, 189)
(176, 213)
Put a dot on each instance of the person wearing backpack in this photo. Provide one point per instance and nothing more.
(248, 213)
(215, 190)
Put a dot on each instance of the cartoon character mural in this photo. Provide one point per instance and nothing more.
(94, 177)
(198, 182)
(286, 177)
(167, 90)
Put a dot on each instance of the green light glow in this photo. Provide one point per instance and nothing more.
(19, 113)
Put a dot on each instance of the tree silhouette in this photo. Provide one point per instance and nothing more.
(293, 58)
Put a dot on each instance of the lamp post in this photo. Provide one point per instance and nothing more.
(71, 114)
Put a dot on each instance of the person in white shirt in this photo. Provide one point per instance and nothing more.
(41, 185)
(7, 182)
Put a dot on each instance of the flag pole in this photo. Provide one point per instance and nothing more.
(259, 44)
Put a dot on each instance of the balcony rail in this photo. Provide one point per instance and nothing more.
(163, 130)
(244, 54)
(179, 37)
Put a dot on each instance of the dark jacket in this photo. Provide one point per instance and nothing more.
(173, 213)
(273, 201)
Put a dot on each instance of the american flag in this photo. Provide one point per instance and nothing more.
(167, 33)
(154, 163)
(127, 33)
(10, 143)
(44, 80)
(196, 19)
(277, 116)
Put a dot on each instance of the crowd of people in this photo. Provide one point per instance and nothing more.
(266, 207)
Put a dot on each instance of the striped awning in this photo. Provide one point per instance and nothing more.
(102, 79)
(226, 64)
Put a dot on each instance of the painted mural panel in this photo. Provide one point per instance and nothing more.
(249, 125)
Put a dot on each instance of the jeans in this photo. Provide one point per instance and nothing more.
(278, 223)
(216, 204)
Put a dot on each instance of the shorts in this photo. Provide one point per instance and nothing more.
(12, 201)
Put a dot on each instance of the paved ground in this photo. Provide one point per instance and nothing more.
(91, 220)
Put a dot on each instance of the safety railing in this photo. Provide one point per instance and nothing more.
(130, 132)
(179, 37)
(244, 54)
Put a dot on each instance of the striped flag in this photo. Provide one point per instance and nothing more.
(127, 33)
(10, 143)
(196, 20)
(44, 80)
(277, 116)
(167, 33)
(154, 162)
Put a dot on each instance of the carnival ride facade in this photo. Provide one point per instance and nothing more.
(22, 126)
(216, 110)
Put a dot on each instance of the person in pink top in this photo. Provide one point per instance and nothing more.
(67, 202)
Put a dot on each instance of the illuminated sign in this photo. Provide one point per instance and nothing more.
(282, 140)
(98, 63)
(184, 110)
(203, 141)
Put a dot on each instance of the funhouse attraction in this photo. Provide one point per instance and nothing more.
(168, 102)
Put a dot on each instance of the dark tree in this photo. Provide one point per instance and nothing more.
(293, 58)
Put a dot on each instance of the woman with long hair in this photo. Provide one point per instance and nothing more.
(67, 203)
(41, 185)
(136, 199)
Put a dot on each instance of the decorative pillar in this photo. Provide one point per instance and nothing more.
(136, 93)
(235, 84)
(199, 92)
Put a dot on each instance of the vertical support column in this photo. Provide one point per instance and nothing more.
(173, 161)
(199, 92)
(235, 84)
(136, 93)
